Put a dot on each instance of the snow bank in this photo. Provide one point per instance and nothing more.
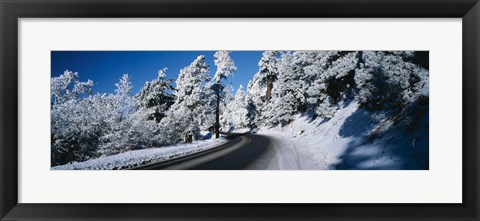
(352, 139)
(135, 158)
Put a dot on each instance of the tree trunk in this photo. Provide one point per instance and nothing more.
(217, 117)
(269, 88)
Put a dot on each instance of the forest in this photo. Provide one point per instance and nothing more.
(388, 85)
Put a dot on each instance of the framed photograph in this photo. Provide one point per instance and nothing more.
(230, 110)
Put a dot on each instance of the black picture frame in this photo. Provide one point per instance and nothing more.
(12, 10)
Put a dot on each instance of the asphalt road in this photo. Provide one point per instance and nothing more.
(241, 157)
(237, 154)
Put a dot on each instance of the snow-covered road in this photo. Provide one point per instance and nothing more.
(242, 157)
(198, 159)
(257, 152)
(283, 154)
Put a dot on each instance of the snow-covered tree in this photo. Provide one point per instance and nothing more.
(386, 80)
(259, 90)
(118, 108)
(256, 99)
(225, 68)
(124, 86)
(185, 115)
(68, 87)
(235, 114)
(305, 82)
(268, 68)
(73, 128)
(122, 95)
(240, 117)
(77, 127)
(155, 97)
(289, 90)
(333, 82)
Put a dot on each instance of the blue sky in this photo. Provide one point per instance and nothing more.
(104, 68)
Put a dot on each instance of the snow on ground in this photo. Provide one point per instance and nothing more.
(242, 130)
(346, 141)
(135, 158)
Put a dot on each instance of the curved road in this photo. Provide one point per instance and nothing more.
(236, 154)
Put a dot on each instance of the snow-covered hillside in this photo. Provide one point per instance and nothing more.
(352, 139)
(135, 158)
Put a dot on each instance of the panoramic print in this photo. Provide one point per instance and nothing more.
(239, 110)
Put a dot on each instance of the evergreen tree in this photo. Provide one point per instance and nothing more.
(389, 80)
(185, 115)
(251, 111)
(155, 98)
(235, 114)
(116, 116)
(289, 91)
(268, 68)
(331, 79)
(225, 68)
(256, 99)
